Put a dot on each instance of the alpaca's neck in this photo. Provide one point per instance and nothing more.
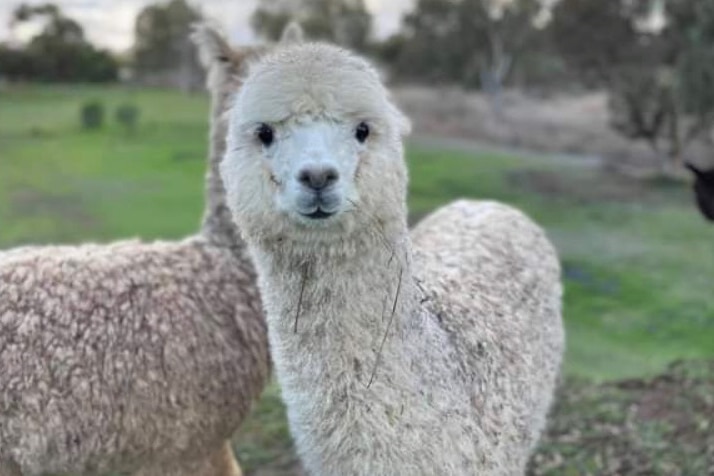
(218, 226)
(341, 322)
(343, 306)
(360, 363)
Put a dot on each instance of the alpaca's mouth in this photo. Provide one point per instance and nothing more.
(318, 206)
(318, 214)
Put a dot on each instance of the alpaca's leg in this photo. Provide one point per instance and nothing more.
(220, 462)
(223, 463)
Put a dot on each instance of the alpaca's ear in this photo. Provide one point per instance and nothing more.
(293, 33)
(224, 64)
(213, 49)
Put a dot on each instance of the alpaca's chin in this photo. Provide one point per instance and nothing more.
(317, 219)
(317, 229)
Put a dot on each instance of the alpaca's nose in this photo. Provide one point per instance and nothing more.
(318, 178)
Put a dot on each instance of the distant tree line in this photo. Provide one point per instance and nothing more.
(60, 52)
(346, 22)
(163, 53)
(470, 42)
(660, 75)
(654, 57)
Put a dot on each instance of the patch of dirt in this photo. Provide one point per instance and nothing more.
(604, 187)
(658, 426)
(688, 415)
(573, 124)
(601, 189)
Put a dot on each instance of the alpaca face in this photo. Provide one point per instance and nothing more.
(312, 165)
(314, 147)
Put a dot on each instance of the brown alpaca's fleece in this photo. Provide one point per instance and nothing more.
(132, 357)
(126, 357)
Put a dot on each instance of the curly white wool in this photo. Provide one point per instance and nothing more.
(431, 353)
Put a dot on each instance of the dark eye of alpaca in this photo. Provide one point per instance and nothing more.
(265, 134)
(362, 132)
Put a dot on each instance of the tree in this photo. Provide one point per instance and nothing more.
(505, 30)
(666, 97)
(429, 43)
(471, 42)
(345, 22)
(595, 37)
(162, 43)
(16, 64)
(59, 52)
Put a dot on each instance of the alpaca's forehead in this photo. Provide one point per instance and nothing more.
(313, 103)
(334, 85)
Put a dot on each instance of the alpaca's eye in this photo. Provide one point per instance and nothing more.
(265, 134)
(362, 132)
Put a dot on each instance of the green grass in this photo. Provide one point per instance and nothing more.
(637, 258)
(59, 183)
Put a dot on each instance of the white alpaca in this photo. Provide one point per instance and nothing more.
(132, 357)
(435, 354)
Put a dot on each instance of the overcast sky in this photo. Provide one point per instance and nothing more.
(110, 23)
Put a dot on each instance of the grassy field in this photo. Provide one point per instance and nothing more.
(637, 258)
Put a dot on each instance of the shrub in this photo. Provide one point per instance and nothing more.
(92, 115)
(127, 115)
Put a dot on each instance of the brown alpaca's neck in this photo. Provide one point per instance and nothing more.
(218, 226)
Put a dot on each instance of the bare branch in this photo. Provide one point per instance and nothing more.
(389, 325)
(302, 292)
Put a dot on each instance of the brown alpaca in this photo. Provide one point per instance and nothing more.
(133, 357)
